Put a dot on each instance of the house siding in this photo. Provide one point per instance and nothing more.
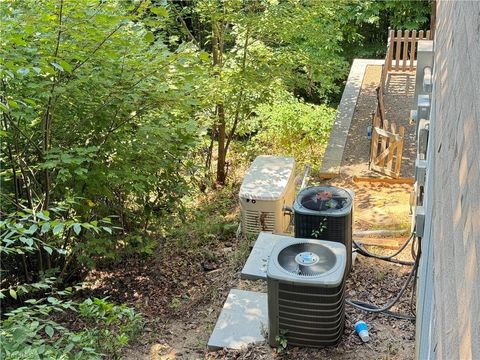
(449, 322)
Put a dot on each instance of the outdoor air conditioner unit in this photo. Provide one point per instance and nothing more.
(325, 212)
(306, 292)
(267, 189)
(422, 138)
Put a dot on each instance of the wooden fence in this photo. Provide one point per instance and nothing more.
(386, 145)
(387, 149)
(402, 49)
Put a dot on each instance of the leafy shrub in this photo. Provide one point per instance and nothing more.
(289, 126)
(31, 331)
(45, 240)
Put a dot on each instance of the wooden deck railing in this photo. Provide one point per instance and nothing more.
(402, 49)
(401, 53)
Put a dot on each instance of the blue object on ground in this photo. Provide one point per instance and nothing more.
(362, 330)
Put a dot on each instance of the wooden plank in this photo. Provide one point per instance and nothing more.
(397, 50)
(376, 119)
(383, 146)
(391, 147)
(382, 156)
(398, 163)
(390, 49)
(408, 180)
(413, 48)
(405, 49)
(373, 146)
(383, 77)
(380, 105)
(387, 134)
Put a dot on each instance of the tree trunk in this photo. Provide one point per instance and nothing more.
(220, 124)
(221, 144)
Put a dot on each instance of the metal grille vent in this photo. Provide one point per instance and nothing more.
(306, 292)
(256, 221)
(306, 259)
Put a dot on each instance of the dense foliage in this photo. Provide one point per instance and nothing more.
(113, 112)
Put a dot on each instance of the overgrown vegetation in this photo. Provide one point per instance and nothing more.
(119, 117)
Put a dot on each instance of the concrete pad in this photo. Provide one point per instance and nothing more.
(255, 267)
(244, 315)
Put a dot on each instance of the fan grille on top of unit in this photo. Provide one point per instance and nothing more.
(325, 198)
(306, 259)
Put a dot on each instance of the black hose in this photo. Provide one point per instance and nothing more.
(385, 309)
(367, 307)
(362, 251)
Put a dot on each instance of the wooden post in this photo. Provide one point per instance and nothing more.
(398, 162)
(420, 35)
(397, 50)
(373, 146)
(383, 147)
(413, 48)
(390, 49)
(391, 146)
(405, 49)
(428, 35)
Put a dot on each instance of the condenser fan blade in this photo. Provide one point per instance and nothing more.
(307, 259)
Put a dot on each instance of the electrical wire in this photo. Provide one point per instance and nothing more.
(374, 308)
(391, 258)
(366, 307)
(412, 275)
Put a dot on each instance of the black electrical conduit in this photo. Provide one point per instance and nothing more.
(391, 258)
(385, 309)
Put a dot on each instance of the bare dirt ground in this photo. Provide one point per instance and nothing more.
(181, 293)
(181, 302)
(399, 92)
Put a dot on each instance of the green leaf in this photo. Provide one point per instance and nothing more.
(66, 66)
(77, 228)
(28, 241)
(57, 66)
(44, 215)
(41, 349)
(53, 300)
(13, 293)
(45, 227)
(160, 11)
(48, 249)
(23, 71)
(31, 230)
(58, 228)
(149, 37)
(107, 229)
(4, 107)
(49, 330)
(204, 56)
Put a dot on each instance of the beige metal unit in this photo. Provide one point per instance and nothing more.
(268, 187)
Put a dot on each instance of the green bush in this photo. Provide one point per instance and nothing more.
(32, 331)
(289, 126)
